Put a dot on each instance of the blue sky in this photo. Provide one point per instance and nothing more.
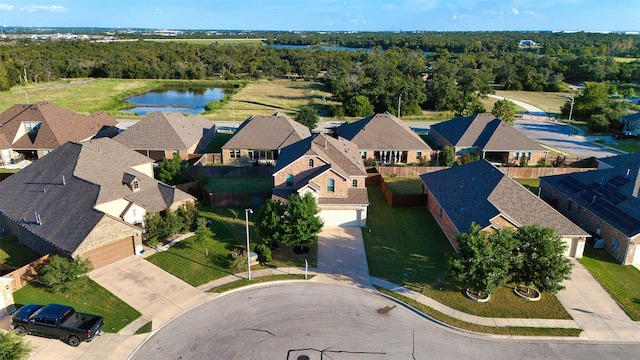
(329, 15)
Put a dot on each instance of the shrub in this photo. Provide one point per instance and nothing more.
(13, 347)
(238, 260)
(61, 274)
(264, 253)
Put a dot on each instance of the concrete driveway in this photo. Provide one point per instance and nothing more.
(156, 294)
(341, 257)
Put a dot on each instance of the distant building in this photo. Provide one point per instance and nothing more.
(527, 43)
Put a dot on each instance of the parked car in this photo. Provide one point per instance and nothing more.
(625, 135)
(57, 321)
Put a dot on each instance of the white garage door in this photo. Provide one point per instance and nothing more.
(340, 217)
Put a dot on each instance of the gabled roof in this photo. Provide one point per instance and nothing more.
(65, 187)
(610, 193)
(485, 132)
(165, 130)
(58, 125)
(382, 132)
(267, 133)
(631, 118)
(478, 192)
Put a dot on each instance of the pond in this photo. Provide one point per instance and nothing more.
(183, 100)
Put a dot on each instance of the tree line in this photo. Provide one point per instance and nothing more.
(363, 81)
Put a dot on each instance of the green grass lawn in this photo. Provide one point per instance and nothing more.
(240, 184)
(89, 297)
(215, 146)
(531, 184)
(628, 146)
(14, 254)
(407, 247)
(189, 263)
(621, 282)
(256, 280)
(404, 185)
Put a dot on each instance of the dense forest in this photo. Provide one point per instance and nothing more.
(433, 71)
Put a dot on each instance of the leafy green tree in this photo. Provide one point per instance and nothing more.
(302, 224)
(155, 230)
(358, 105)
(307, 117)
(539, 259)
(13, 347)
(524, 160)
(187, 215)
(482, 260)
(447, 156)
(170, 171)
(61, 274)
(5, 85)
(203, 235)
(264, 253)
(505, 110)
(269, 222)
(598, 122)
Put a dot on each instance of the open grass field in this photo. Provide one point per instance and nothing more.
(625, 59)
(215, 146)
(240, 184)
(621, 282)
(265, 97)
(189, 262)
(548, 101)
(14, 254)
(407, 247)
(89, 297)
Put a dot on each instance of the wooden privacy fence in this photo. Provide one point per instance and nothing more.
(514, 172)
(236, 199)
(230, 171)
(22, 276)
(401, 200)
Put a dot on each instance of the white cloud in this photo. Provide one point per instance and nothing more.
(49, 8)
(5, 7)
(515, 11)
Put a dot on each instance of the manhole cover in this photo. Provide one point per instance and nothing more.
(303, 357)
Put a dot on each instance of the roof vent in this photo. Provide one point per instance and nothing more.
(461, 186)
(38, 219)
(594, 199)
(628, 171)
(64, 181)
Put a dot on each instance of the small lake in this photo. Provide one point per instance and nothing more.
(182, 100)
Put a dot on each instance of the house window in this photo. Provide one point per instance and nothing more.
(331, 185)
(238, 154)
(289, 179)
(419, 155)
(135, 185)
(250, 154)
(232, 154)
(32, 126)
(310, 162)
(354, 183)
(364, 154)
(516, 156)
(529, 155)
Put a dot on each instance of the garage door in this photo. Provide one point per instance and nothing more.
(340, 217)
(110, 253)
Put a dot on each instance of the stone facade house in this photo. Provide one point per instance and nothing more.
(85, 199)
(259, 139)
(491, 138)
(331, 170)
(481, 193)
(32, 131)
(603, 201)
(163, 134)
(386, 139)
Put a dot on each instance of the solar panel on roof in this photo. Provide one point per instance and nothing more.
(618, 181)
(572, 184)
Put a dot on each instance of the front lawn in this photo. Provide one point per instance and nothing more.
(14, 254)
(407, 247)
(404, 185)
(89, 297)
(621, 282)
(189, 263)
(630, 146)
(240, 184)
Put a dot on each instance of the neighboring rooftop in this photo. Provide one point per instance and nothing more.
(267, 133)
(478, 192)
(382, 132)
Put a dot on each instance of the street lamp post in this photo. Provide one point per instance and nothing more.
(399, 101)
(571, 109)
(246, 216)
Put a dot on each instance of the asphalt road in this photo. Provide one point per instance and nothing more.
(325, 321)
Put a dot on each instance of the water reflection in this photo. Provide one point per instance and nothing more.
(183, 100)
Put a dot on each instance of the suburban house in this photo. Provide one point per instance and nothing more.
(259, 139)
(488, 136)
(329, 168)
(386, 139)
(32, 131)
(163, 134)
(603, 201)
(85, 199)
(481, 193)
(631, 122)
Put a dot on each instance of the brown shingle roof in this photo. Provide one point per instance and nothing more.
(478, 192)
(382, 132)
(486, 132)
(267, 133)
(58, 125)
(165, 130)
